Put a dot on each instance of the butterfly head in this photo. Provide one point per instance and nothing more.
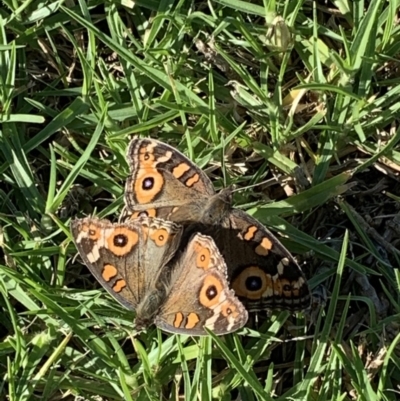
(218, 208)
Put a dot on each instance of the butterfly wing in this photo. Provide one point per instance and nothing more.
(158, 173)
(128, 258)
(199, 296)
(261, 270)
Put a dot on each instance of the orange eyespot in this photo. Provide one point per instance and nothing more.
(93, 231)
(210, 291)
(160, 236)
(122, 240)
(147, 185)
(146, 156)
(251, 283)
(229, 309)
(203, 256)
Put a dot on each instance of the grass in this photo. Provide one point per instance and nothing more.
(305, 107)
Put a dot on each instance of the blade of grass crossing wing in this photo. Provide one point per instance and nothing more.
(311, 243)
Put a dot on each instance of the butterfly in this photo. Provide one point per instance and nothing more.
(143, 265)
(164, 183)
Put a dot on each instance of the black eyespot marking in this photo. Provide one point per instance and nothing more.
(228, 311)
(161, 238)
(211, 292)
(148, 183)
(287, 287)
(120, 240)
(254, 283)
(146, 156)
(202, 258)
(92, 233)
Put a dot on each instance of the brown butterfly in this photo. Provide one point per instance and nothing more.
(164, 183)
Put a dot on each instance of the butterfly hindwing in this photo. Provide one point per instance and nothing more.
(199, 296)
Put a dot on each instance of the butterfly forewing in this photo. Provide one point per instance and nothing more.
(158, 173)
(128, 258)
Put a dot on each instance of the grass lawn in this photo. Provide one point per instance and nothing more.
(296, 102)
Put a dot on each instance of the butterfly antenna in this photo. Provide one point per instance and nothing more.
(269, 181)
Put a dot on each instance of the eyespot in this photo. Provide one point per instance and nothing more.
(251, 283)
(210, 291)
(160, 236)
(148, 183)
(121, 240)
(203, 257)
(254, 283)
